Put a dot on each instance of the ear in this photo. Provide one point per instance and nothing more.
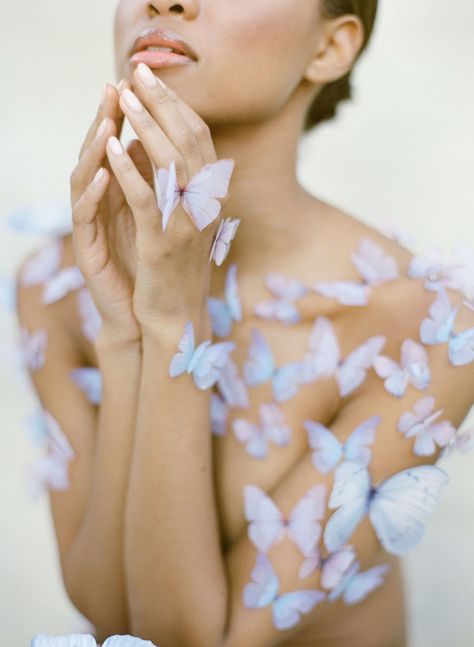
(339, 43)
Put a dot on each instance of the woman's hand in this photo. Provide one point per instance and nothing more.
(173, 271)
(103, 225)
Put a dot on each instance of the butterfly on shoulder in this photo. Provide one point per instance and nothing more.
(283, 307)
(421, 424)
(272, 428)
(224, 312)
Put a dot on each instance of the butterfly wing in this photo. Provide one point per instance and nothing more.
(461, 348)
(219, 415)
(182, 359)
(273, 424)
(232, 386)
(264, 586)
(286, 381)
(349, 293)
(65, 281)
(210, 363)
(211, 182)
(265, 519)
(89, 380)
(414, 360)
(225, 235)
(304, 526)
(288, 608)
(221, 318)
(44, 264)
(361, 584)
(396, 379)
(327, 450)
(72, 640)
(401, 503)
(373, 264)
(90, 318)
(335, 566)
(260, 365)
(251, 435)
(167, 190)
(357, 446)
(232, 293)
(127, 641)
(353, 370)
(438, 327)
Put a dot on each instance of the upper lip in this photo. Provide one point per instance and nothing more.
(164, 38)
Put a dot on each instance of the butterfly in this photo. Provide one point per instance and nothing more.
(396, 506)
(333, 566)
(324, 357)
(224, 312)
(413, 369)
(260, 367)
(198, 197)
(421, 425)
(328, 450)
(223, 238)
(267, 525)
(87, 640)
(462, 441)
(436, 271)
(44, 218)
(373, 265)
(232, 387)
(65, 281)
(355, 586)
(438, 328)
(43, 265)
(34, 348)
(287, 608)
(89, 380)
(286, 291)
(272, 428)
(219, 415)
(204, 362)
(91, 321)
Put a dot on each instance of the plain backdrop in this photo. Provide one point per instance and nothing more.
(400, 153)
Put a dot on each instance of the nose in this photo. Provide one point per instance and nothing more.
(188, 8)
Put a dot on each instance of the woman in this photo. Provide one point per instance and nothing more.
(180, 536)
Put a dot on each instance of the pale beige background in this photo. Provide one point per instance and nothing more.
(401, 153)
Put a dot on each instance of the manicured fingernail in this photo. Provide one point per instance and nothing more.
(121, 85)
(131, 100)
(146, 75)
(115, 146)
(101, 129)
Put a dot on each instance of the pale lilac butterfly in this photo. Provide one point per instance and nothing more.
(204, 362)
(324, 357)
(272, 428)
(413, 369)
(91, 321)
(282, 308)
(356, 586)
(43, 265)
(396, 506)
(219, 415)
(232, 387)
(89, 380)
(61, 284)
(462, 441)
(87, 640)
(332, 567)
(374, 266)
(267, 525)
(438, 328)
(33, 348)
(436, 271)
(223, 312)
(422, 426)
(222, 240)
(287, 608)
(260, 368)
(198, 197)
(328, 450)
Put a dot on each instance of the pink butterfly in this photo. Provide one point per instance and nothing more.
(222, 240)
(333, 566)
(232, 387)
(267, 525)
(272, 428)
(65, 281)
(421, 425)
(43, 265)
(324, 358)
(91, 321)
(286, 291)
(413, 369)
(198, 197)
(34, 348)
(374, 266)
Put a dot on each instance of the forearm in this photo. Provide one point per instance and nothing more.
(95, 561)
(175, 569)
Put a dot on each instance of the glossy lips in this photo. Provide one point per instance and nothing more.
(182, 55)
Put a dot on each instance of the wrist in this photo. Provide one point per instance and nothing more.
(114, 339)
(169, 330)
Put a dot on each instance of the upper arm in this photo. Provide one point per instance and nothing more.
(61, 398)
(392, 452)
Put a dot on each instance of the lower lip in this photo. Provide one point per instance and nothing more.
(160, 59)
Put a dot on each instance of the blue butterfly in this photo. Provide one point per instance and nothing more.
(89, 380)
(356, 586)
(224, 312)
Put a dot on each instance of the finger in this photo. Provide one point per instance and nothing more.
(141, 160)
(84, 212)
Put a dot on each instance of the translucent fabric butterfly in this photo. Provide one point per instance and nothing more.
(50, 218)
(222, 240)
(374, 266)
(333, 567)
(396, 506)
(324, 358)
(43, 265)
(287, 608)
(272, 428)
(420, 424)
(438, 328)
(328, 450)
(355, 586)
(413, 369)
(198, 197)
(33, 348)
(87, 640)
(260, 368)
(267, 525)
(463, 442)
(89, 380)
(224, 312)
(436, 271)
(61, 284)
(91, 321)
(204, 362)
(232, 387)
(286, 292)
(219, 415)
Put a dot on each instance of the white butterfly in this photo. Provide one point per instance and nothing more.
(272, 428)
(286, 291)
(87, 640)
(328, 450)
(222, 240)
(89, 380)
(396, 506)
(57, 287)
(421, 425)
(333, 567)
(413, 369)
(356, 586)
(232, 387)
(462, 441)
(436, 271)
(267, 525)
(198, 197)
(204, 362)
(223, 312)
(287, 608)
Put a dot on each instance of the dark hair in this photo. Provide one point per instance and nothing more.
(325, 103)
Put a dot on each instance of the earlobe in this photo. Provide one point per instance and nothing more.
(338, 50)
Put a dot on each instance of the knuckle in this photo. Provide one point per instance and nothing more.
(187, 143)
(201, 131)
(144, 198)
